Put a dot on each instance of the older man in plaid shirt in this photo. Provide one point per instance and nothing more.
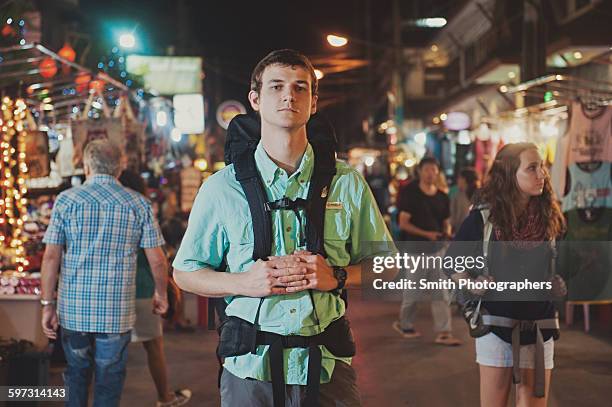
(95, 232)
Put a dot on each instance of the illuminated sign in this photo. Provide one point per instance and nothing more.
(189, 113)
(457, 121)
(167, 75)
(227, 111)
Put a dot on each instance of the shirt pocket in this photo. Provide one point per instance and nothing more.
(241, 243)
(336, 234)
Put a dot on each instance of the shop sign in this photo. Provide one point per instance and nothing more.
(167, 75)
(227, 111)
(37, 154)
(189, 113)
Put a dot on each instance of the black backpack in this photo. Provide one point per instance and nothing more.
(243, 135)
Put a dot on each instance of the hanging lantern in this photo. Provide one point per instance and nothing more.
(47, 67)
(67, 52)
(8, 30)
(81, 81)
(97, 85)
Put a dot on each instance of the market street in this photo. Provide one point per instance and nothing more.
(392, 371)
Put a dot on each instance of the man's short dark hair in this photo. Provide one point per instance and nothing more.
(429, 160)
(283, 57)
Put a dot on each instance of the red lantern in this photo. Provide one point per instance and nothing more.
(8, 30)
(97, 85)
(47, 67)
(67, 52)
(81, 81)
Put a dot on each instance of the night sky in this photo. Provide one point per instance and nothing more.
(232, 36)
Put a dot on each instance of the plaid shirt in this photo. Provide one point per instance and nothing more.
(102, 225)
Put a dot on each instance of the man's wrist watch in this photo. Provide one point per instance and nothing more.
(340, 274)
(47, 302)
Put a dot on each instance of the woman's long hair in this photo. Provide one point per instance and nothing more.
(501, 192)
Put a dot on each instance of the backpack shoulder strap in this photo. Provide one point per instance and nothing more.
(249, 179)
(320, 184)
(487, 231)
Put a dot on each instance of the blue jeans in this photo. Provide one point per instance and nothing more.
(86, 352)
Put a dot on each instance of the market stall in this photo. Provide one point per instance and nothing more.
(51, 108)
(572, 128)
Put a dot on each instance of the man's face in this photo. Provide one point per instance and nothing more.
(285, 99)
(429, 173)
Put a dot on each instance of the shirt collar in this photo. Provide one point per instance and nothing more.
(101, 179)
(269, 170)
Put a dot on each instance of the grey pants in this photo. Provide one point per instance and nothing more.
(341, 391)
(440, 301)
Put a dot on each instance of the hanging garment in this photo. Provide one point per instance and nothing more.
(589, 134)
(559, 167)
(484, 152)
(65, 155)
(585, 256)
(37, 154)
(134, 136)
(433, 145)
(589, 224)
(590, 186)
(447, 155)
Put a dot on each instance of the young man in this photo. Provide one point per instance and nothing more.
(278, 294)
(95, 233)
(424, 213)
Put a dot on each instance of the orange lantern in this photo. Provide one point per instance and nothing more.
(97, 85)
(67, 52)
(81, 81)
(47, 67)
(8, 30)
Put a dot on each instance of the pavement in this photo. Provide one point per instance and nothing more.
(391, 370)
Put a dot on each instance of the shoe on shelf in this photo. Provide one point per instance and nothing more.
(181, 397)
(447, 339)
(406, 333)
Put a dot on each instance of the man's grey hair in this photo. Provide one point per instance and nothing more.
(103, 157)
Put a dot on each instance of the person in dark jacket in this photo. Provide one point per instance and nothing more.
(468, 183)
(523, 212)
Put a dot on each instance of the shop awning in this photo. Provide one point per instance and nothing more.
(52, 84)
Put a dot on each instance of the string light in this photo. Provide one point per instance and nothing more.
(13, 171)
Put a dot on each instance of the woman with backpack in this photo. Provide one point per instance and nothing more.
(516, 206)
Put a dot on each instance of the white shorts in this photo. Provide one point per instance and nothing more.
(148, 325)
(491, 350)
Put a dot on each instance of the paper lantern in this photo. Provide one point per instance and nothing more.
(97, 85)
(47, 67)
(81, 81)
(67, 52)
(8, 30)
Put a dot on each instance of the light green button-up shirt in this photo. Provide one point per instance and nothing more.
(220, 225)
